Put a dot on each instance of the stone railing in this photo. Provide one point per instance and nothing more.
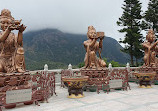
(31, 87)
(57, 73)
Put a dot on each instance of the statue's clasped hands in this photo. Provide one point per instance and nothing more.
(15, 25)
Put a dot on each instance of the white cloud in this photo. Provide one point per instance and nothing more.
(73, 16)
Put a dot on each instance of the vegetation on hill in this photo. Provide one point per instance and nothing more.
(58, 49)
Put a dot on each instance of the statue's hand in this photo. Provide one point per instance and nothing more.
(22, 28)
(11, 27)
(101, 38)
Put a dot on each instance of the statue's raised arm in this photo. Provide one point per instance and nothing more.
(12, 52)
(92, 47)
(150, 47)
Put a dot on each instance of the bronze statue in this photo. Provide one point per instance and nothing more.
(151, 49)
(92, 46)
(11, 45)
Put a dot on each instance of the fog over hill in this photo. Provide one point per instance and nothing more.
(58, 49)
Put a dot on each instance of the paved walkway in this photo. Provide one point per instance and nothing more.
(136, 99)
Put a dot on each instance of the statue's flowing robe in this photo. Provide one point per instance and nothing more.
(8, 53)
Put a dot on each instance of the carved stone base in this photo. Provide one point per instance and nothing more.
(28, 103)
(145, 84)
(76, 96)
(142, 86)
(96, 76)
(145, 78)
(75, 91)
(14, 79)
(10, 106)
(12, 82)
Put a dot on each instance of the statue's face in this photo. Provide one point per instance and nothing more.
(151, 37)
(5, 22)
(92, 34)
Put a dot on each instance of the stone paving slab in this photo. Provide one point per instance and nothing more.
(136, 99)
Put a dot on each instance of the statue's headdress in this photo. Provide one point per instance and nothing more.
(149, 34)
(5, 13)
(91, 28)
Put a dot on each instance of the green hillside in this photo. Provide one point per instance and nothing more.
(58, 49)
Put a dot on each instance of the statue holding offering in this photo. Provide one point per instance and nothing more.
(151, 49)
(11, 45)
(92, 46)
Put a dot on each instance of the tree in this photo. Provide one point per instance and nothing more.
(138, 51)
(151, 15)
(114, 63)
(81, 64)
(131, 23)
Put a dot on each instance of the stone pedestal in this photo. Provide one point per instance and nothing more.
(13, 82)
(10, 106)
(96, 76)
(29, 102)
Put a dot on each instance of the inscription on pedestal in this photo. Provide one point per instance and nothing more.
(115, 83)
(18, 95)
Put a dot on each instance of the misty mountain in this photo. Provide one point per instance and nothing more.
(58, 49)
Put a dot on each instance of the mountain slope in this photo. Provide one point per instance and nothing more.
(58, 49)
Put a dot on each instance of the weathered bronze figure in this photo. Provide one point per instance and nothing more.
(148, 71)
(151, 49)
(11, 45)
(92, 46)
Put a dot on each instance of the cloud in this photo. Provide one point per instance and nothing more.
(72, 16)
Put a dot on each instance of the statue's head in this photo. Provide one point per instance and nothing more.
(150, 37)
(91, 32)
(5, 19)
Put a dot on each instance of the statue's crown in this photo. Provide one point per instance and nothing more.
(91, 28)
(5, 13)
(150, 34)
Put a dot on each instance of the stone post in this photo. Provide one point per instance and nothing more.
(110, 67)
(45, 67)
(70, 67)
(128, 67)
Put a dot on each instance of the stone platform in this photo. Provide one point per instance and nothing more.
(136, 99)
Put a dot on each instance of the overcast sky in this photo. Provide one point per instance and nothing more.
(72, 16)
